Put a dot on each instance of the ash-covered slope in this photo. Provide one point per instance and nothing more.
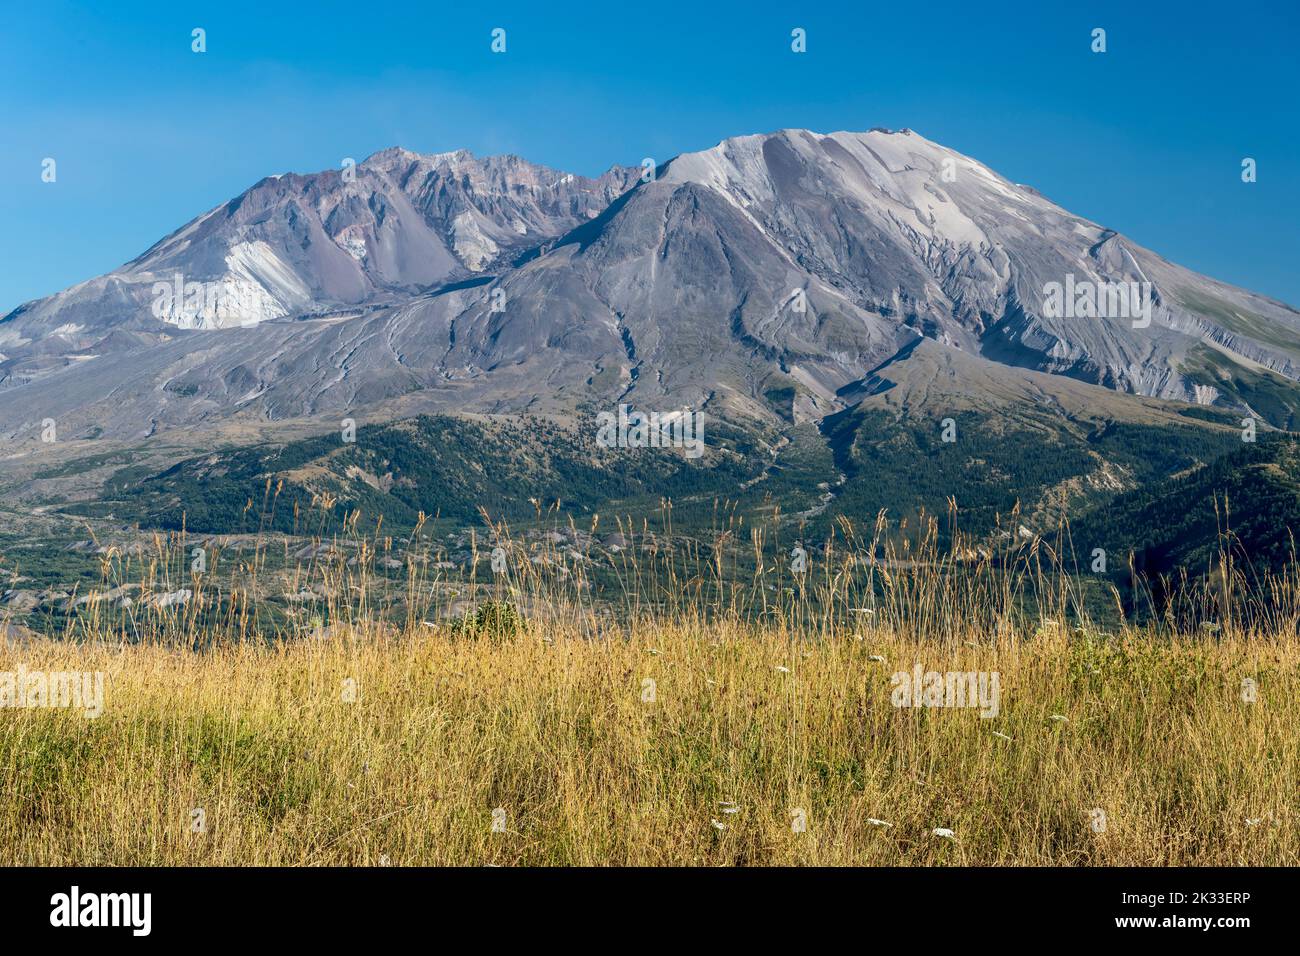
(782, 277)
(931, 238)
(397, 223)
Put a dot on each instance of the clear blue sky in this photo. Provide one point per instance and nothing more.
(1147, 138)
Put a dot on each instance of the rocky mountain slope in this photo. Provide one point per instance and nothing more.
(779, 278)
(395, 224)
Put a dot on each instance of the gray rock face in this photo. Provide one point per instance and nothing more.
(772, 276)
(379, 231)
(930, 238)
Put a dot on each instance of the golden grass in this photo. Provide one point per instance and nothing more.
(552, 728)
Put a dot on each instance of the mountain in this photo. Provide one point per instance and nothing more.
(831, 303)
(773, 277)
(395, 224)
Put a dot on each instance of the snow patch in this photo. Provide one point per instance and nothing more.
(1204, 394)
(353, 242)
(263, 285)
(472, 245)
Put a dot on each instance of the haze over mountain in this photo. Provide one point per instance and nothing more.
(775, 278)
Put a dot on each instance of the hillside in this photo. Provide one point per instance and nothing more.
(1245, 504)
(1047, 456)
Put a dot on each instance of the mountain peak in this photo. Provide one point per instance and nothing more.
(399, 155)
(458, 276)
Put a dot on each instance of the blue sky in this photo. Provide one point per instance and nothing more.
(1147, 138)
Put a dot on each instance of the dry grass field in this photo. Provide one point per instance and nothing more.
(374, 747)
(683, 735)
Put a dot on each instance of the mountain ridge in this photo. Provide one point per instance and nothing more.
(791, 260)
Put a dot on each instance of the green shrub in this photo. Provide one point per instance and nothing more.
(494, 620)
